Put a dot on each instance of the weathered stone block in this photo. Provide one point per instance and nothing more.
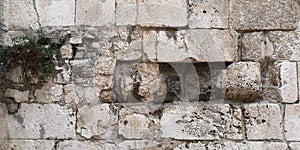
(13, 12)
(81, 94)
(261, 122)
(292, 122)
(158, 13)
(88, 145)
(105, 65)
(294, 145)
(191, 146)
(209, 14)
(30, 144)
(98, 121)
(138, 122)
(66, 51)
(227, 145)
(253, 46)
(288, 76)
(56, 13)
(35, 121)
(243, 82)
(201, 122)
(264, 14)
(149, 45)
(49, 93)
(126, 12)
(95, 12)
(267, 145)
(18, 96)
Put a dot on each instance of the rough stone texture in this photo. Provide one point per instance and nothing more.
(126, 12)
(56, 13)
(264, 14)
(18, 96)
(149, 45)
(11, 37)
(158, 13)
(138, 121)
(200, 45)
(80, 94)
(95, 12)
(13, 12)
(267, 145)
(201, 122)
(74, 145)
(289, 87)
(294, 145)
(253, 46)
(243, 82)
(261, 123)
(98, 121)
(35, 121)
(30, 144)
(49, 93)
(292, 122)
(209, 14)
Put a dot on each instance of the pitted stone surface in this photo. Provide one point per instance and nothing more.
(292, 122)
(267, 145)
(253, 46)
(243, 82)
(264, 14)
(98, 121)
(160, 13)
(35, 121)
(201, 122)
(49, 93)
(95, 12)
(209, 14)
(126, 12)
(56, 13)
(261, 123)
(288, 76)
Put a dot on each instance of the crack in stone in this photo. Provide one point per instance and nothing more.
(37, 13)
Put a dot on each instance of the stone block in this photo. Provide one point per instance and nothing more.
(49, 93)
(209, 14)
(95, 12)
(18, 96)
(56, 13)
(35, 121)
(126, 12)
(267, 145)
(227, 145)
(105, 65)
(292, 122)
(13, 12)
(201, 122)
(30, 144)
(289, 87)
(81, 94)
(294, 145)
(158, 13)
(263, 121)
(264, 14)
(149, 45)
(243, 82)
(191, 146)
(81, 145)
(98, 121)
(253, 46)
(66, 51)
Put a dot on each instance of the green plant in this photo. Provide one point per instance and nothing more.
(35, 54)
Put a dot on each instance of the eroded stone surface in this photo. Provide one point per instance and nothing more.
(209, 14)
(243, 82)
(98, 121)
(18, 96)
(95, 12)
(264, 14)
(294, 145)
(292, 122)
(261, 122)
(158, 13)
(49, 93)
(35, 121)
(126, 12)
(201, 122)
(288, 76)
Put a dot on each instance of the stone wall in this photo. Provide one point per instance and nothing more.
(156, 74)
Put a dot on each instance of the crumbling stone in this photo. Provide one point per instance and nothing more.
(292, 122)
(81, 95)
(267, 145)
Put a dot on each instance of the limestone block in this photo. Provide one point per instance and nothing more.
(201, 122)
(30, 144)
(98, 121)
(292, 122)
(227, 145)
(103, 82)
(126, 12)
(160, 13)
(145, 145)
(3, 126)
(243, 82)
(80, 94)
(18, 96)
(138, 122)
(66, 51)
(81, 145)
(267, 145)
(49, 93)
(203, 45)
(191, 146)
(105, 65)
(298, 68)
(13, 12)
(289, 87)
(264, 14)
(253, 46)
(83, 71)
(149, 45)
(261, 122)
(294, 145)
(209, 14)
(95, 12)
(56, 13)
(35, 121)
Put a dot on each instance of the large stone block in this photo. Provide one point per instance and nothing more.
(95, 12)
(243, 82)
(201, 122)
(294, 145)
(292, 122)
(30, 144)
(267, 145)
(209, 14)
(35, 121)
(289, 86)
(49, 93)
(126, 12)
(13, 12)
(263, 121)
(160, 13)
(3, 127)
(264, 14)
(56, 13)
(81, 94)
(98, 121)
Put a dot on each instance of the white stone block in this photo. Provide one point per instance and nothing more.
(289, 86)
(292, 122)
